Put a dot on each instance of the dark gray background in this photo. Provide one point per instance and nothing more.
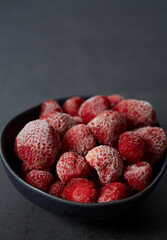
(52, 49)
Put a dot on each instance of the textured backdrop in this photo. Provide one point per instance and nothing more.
(52, 49)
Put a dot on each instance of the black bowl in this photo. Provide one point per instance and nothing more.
(78, 211)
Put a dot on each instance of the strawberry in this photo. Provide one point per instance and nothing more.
(71, 165)
(78, 139)
(107, 162)
(107, 127)
(72, 105)
(39, 179)
(131, 147)
(93, 107)
(38, 144)
(56, 188)
(61, 122)
(137, 113)
(138, 175)
(49, 105)
(115, 99)
(112, 192)
(80, 190)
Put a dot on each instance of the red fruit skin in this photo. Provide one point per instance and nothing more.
(108, 163)
(25, 168)
(93, 107)
(115, 99)
(61, 122)
(137, 113)
(38, 144)
(138, 175)
(71, 165)
(49, 105)
(112, 192)
(131, 147)
(39, 179)
(78, 120)
(155, 141)
(80, 190)
(72, 105)
(107, 127)
(78, 139)
(56, 188)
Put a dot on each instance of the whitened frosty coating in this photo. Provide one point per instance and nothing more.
(138, 175)
(78, 139)
(71, 165)
(93, 107)
(107, 127)
(155, 141)
(61, 122)
(50, 105)
(56, 188)
(137, 113)
(38, 144)
(39, 179)
(107, 162)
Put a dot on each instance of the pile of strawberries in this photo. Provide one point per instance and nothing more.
(96, 150)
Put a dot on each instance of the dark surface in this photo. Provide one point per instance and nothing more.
(69, 209)
(52, 49)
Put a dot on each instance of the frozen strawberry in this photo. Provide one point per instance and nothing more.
(50, 106)
(107, 127)
(71, 165)
(78, 139)
(93, 107)
(38, 144)
(72, 105)
(78, 120)
(137, 113)
(112, 192)
(131, 147)
(61, 122)
(138, 175)
(108, 163)
(155, 141)
(80, 190)
(39, 179)
(56, 188)
(115, 99)
(25, 168)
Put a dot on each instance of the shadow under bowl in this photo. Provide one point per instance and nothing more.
(73, 210)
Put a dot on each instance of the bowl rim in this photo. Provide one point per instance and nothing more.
(77, 204)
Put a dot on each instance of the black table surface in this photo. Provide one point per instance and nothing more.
(53, 49)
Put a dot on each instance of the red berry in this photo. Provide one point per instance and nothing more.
(78, 120)
(39, 179)
(72, 105)
(61, 122)
(50, 106)
(155, 141)
(107, 162)
(80, 190)
(131, 147)
(25, 168)
(93, 107)
(71, 165)
(107, 127)
(138, 175)
(137, 113)
(78, 139)
(115, 99)
(56, 188)
(112, 192)
(38, 144)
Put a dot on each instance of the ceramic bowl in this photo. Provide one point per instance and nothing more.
(74, 210)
